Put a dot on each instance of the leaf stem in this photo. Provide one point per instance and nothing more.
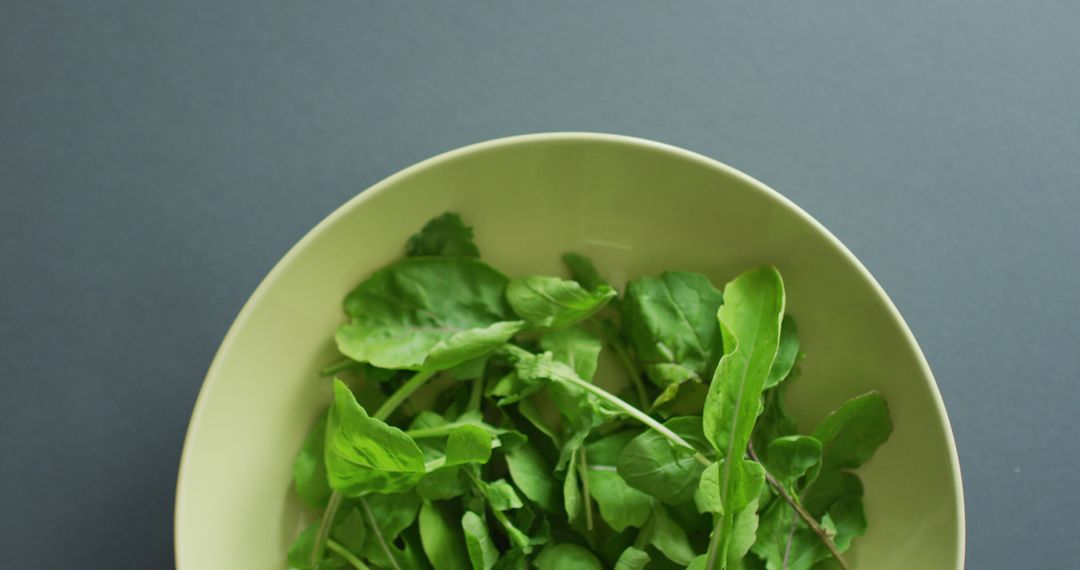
(603, 329)
(805, 516)
(477, 393)
(378, 534)
(583, 474)
(402, 394)
(344, 553)
(388, 407)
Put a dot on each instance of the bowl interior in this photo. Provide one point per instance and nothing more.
(637, 208)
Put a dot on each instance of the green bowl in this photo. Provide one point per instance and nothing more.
(636, 207)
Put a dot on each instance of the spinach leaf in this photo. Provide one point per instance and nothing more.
(671, 323)
(790, 457)
(532, 474)
(309, 468)
(621, 506)
(553, 302)
(402, 312)
(444, 543)
(363, 454)
(750, 324)
(445, 236)
(583, 271)
(572, 499)
(786, 354)
(574, 346)
(653, 464)
(567, 556)
(850, 435)
(442, 484)
(299, 555)
(666, 536)
(830, 487)
(387, 517)
(468, 444)
(632, 559)
(482, 552)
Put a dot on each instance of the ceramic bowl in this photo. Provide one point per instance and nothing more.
(636, 207)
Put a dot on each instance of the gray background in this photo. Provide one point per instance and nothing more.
(157, 159)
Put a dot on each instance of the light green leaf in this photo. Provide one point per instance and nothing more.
(621, 506)
(309, 468)
(790, 457)
(786, 354)
(583, 271)
(444, 543)
(501, 496)
(653, 464)
(567, 556)
(482, 552)
(533, 475)
(850, 435)
(468, 345)
(350, 530)
(750, 323)
(671, 320)
(698, 563)
(743, 533)
(632, 559)
(363, 454)
(552, 302)
(572, 499)
(707, 496)
(667, 536)
(399, 314)
(444, 236)
(574, 346)
(468, 444)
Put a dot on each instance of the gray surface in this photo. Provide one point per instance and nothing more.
(156, 160)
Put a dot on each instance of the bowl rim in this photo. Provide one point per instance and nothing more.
(547, 137)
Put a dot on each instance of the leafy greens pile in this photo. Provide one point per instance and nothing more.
(471, 435)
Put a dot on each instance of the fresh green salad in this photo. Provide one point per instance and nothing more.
(466, 431)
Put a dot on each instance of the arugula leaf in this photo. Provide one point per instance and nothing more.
(444, 544)
(750, 324)
(667, 537)
(583, 271)
(790, 457)
(850, 435)
(671, 323)
(482, 552)
(572, 499)
(468, 444)
(442, 484)
(446, 236)
(387, 517)
(299, 555)
(632, 559)
(309, 468)
(653, 464)
(552, 302)
(402, 312)
(363, 454)
(621, 506)
(830, 487)
(532, 474)
(567, 556)
(786, 354)
(574, 346)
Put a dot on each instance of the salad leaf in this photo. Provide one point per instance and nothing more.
(621, 506)
(654, 465)
(850, 435)
(402, 312)
(446, 235)
(363, 454)
(632, 559)
(787, 353)
(666, 536)
(532, 474)
(790, 457)
(468, 444)
(482, 552)
(553, 302)
(444, 543)
(309, 468)
(574, 346)
(583, 271)
(567, 556)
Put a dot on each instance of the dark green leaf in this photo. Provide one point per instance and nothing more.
(850, 435)
(441, 484)
(572, 499)
(387, 516)
(444, 543)
(583, 271)
(567, 556)
(653, 464)
(786, 354)
(667, 537)
(299, 556)
(402, 312)
(671, 320)
(830, 487)
(621, 506)
(533, 475)
(846, 521)
(632, 559)
(309, 468)
(552, 302)
(445, 236)
(482, 552)
(790, 457)
(350, 530)
(574, 346)
(363, 454)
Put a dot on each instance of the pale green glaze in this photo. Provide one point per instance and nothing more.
(636, 207)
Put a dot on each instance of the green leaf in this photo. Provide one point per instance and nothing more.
(387, 516)
(299, 555)
(444, 543)
(850, 435)
(442, 484)
(743, 532)
(698, 563)
(632, 559)
(750, 323)
(533, 475)
(574, 346)
(786, 354)
(790, 457)
(667, 537)
(445, 236)
(350, 530)
(846, 521)
(309, 468)
(363, 454)
(552, 302)
(482, 552)
(572, 499)
(621, 506)
(653, 464)
(774, 421)
(468, 444)
(468, 345)
(501, 496)
(567, 556)
(707, 496)
(583, 271)
(402, 312)
(671, 320)
(830, 487)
